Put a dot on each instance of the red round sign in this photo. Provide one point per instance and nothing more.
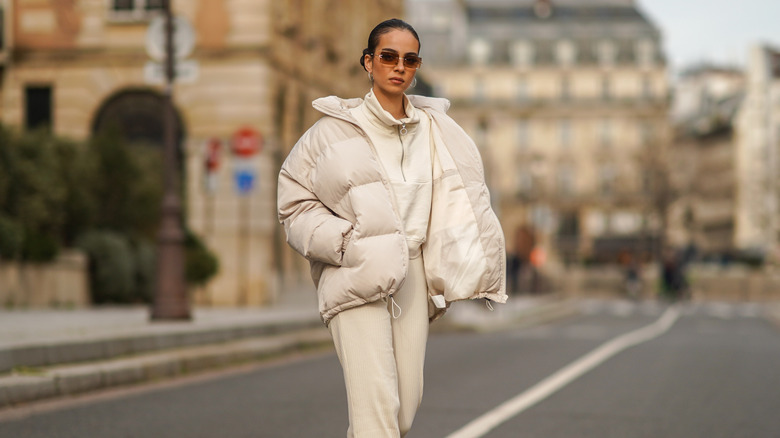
(247, 142)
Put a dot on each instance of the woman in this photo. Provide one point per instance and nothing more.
(385, 196)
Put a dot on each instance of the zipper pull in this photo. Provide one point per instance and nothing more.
(403, 130)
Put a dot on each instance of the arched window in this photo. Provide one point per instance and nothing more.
(137, 115)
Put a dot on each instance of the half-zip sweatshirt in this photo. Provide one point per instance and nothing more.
(404, 149)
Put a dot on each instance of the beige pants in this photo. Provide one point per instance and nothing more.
(382, 357)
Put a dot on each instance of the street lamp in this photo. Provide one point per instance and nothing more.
(170, 298)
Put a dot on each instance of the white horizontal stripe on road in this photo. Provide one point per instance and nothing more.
(490, 420)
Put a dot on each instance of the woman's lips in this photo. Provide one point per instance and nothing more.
(397, 81)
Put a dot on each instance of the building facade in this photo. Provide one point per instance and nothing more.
(77, 66)
(703, 160)
(568, 100)
(758, 154)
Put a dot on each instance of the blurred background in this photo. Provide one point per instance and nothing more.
(621, 139)
(631, 149)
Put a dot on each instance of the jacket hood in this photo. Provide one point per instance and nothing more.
(337, 107)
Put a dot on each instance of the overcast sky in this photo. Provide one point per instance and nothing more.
(713, 30)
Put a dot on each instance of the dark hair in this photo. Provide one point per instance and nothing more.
(383, 28)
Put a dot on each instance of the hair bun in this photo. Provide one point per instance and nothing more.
(366, 51)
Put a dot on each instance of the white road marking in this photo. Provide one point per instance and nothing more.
(490, 420)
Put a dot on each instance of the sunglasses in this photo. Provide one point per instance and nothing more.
(390, 58)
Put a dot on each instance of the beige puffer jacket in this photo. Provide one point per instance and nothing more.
(338, 211)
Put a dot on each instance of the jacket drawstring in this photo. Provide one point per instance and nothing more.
(394, 306)
(488, 304)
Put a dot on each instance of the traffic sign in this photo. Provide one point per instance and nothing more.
(247, 142)
(245, 175)
(183, 38)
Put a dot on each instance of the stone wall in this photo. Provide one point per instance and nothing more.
(706, 283)
(63, 283)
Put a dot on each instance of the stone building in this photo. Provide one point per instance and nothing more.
(568, 100)
(703, 160)
(79, 65)
(758, 154)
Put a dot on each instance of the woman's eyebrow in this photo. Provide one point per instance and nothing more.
(396, 52)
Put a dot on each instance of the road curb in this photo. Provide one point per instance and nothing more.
(68, 380)
(774, 314)
(508, 319)
(96, 348)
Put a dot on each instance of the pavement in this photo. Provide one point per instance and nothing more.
(47, 353)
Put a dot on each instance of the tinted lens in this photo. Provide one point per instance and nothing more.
(388, 58)
(412, 61)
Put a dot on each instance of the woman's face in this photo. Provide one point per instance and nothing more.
(392, 80)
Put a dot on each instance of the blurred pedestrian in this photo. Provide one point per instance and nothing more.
(631, 280)
(538, 258)
(385, 196)
(673, 276)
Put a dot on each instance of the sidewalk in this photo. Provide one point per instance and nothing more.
(51, 353)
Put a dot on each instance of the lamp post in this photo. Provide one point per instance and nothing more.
(170, 299)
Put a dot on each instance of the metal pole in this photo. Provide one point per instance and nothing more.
(243, 250)
(170, 300)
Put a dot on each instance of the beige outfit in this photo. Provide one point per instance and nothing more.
(395, 218)
(381, 345)
(382, 358)
(337, 205)
(404, 150)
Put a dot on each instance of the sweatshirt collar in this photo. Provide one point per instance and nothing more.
(379, 116)
(335, 106)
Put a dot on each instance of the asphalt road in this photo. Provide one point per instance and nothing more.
(715, 373)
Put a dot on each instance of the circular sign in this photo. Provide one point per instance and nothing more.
(183, 38)
(247, 142)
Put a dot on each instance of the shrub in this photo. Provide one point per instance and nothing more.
(126, 182)
(11, 237)
(146, 265)
(201, 264)
(31, 192)
(39, 247)
(111, 267)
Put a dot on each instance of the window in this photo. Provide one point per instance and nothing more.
(522, 54)
(521, 90)
(646, 136)
(564, 133)
(522, 135)
(134, 10)
(2, 28)
(606, 53)
(479, 51)
(565, 181)
(645, 50)
(565, 53)
(605, 133)
(479, 89)
(647, 182)
(482, 133)
(38, 106)
(606, 180)
(647, 87)
(565, 88)
(525, 182)
(606, 92)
